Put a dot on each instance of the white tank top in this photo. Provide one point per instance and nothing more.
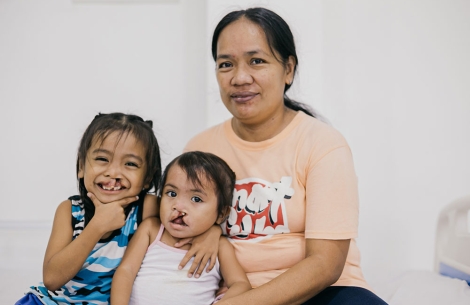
(160, 282)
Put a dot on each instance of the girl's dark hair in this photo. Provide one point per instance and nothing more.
(280, 41)
(124, 124)
(197, 164)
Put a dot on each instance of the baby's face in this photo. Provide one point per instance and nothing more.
(187, 210)
(114, 168)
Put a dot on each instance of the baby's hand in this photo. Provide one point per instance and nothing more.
(110, 216)
(204, 248)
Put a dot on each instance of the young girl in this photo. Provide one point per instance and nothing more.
(195, 193)
(118, 163)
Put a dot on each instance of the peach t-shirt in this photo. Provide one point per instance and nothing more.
(299, 184)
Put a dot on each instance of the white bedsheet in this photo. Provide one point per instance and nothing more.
(418, 287)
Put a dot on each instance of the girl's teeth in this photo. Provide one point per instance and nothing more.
(112, 188)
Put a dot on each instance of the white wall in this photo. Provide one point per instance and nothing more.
(62, 62)
(392, 76)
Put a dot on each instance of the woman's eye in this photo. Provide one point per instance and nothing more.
(257, 61)
(196, 199)
(225, 65)
(170, 194)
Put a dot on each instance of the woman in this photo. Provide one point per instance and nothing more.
(294, 215)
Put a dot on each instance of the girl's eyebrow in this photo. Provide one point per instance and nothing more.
(105, 151)
(196, 189)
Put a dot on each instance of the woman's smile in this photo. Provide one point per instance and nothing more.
(243, 97)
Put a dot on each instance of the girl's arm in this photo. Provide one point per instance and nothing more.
(232, 272)
(123, 279)
(321, 267)
(204, 248)
(151, 207)
(64, 257)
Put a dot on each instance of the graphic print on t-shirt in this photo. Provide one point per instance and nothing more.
(258, 209)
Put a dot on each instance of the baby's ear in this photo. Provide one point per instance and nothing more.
(223, 215)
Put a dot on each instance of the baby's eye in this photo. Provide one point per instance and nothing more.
(225, 65)
(170, 194)
(256, 61)
(196, 199)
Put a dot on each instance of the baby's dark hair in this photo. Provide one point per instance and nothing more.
(197, 164)
(124, 124)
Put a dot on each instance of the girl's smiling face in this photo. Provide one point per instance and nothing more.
(187, 210)
(114, 168)
(251, 78)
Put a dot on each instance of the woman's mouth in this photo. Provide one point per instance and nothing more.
(243, 97)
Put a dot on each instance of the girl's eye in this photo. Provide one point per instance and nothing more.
(101, 159)
(225, 65)
(132, 164)
(170, 194)
(196, 199)
(257, 61)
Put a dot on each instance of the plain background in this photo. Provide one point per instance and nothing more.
(392, 76)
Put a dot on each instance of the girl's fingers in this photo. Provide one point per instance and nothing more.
(126, 201)
(205, 259)
(183, 242)
(186, 259)
(211, 262)
(122, 202)
(195, 267)
(93, 198)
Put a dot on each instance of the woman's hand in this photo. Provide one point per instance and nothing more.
(321, 267)
(204, 249)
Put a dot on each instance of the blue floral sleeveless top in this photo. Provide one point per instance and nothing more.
(92, 284)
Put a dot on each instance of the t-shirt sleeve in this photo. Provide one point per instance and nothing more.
(332, 207)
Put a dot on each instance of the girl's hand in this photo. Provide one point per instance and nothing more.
(110, 216)
(204, 248)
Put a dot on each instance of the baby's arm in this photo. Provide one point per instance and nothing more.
(123, 279)
(232, 272)
(65, 257)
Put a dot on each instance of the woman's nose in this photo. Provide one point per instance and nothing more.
(241, 76)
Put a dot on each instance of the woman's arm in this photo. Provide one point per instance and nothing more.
(123, 279)
(65, 257)
(321, 267)
(232, 272)
(204, 248)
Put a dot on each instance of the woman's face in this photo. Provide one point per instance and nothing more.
(251, 79)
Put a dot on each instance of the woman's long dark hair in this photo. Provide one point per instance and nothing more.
(280, 41)
(99, 129)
